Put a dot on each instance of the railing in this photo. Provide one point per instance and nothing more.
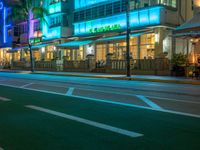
(145, 64)
(20, 65)
(118, 64)
(45, 65)
(4, 64)
(81, 65)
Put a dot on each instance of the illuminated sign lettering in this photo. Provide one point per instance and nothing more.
(105, 28)
(35, 40)
(138, 19)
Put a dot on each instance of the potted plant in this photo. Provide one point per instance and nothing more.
(179, 62)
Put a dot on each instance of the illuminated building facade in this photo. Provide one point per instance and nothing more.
(45, 32)
(151, 22)
(76, 34)
(6, 35)
(190, 33)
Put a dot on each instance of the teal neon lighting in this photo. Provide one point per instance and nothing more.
(138, 19)
(145, 17)
(75, 43)
(51, 33)
(98, 24)
(54, 8)
(54, 32)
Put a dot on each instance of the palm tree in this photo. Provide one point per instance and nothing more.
(21, 11)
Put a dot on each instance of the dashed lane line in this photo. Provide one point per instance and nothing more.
(87, 122)
(4, 99)
(70, 91)
(23, 86)
(149, 102)
(109, 102)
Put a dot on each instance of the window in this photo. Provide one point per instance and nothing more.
(16, 31)
(82, 15)
(116, 7)
(123, 6)
(56, 21)
(23, 28)
(37, 26)
(101, 11)
(56, 1)
(88, 14)
(76, 16)
(9, 32)
(109, 9)
(94, 12)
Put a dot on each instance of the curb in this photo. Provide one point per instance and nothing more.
(124, 78)
(158, 80)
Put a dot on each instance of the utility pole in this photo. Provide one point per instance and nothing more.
(128, 67)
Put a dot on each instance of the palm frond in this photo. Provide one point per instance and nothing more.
(39, 12)
(18, 13)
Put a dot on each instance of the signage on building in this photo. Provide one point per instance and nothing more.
(35, 40)
(105, 28)
(138, 19)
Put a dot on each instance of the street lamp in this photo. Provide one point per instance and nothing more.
(128, 67)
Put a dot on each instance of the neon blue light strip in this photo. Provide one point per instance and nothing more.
(75, 43)
(1, 5)
(138, 19)
(5, 26)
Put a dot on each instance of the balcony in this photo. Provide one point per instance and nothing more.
(58, 7)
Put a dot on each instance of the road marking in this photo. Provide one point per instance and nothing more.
(23, 86)
(4, 99)
(109, 102)
(88, 122)
(70, 92)
(149, 102)
(174, 100)
(1, 148)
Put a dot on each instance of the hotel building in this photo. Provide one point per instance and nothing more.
(90, 35)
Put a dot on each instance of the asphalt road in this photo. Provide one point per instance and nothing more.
(52, 112)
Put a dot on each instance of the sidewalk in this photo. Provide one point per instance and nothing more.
(148, 78)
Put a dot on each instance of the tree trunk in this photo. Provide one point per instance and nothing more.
(30, 47)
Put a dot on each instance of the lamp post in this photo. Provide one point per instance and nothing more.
(128, 67)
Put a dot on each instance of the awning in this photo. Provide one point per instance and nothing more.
(190, 28)
(74, 44)
(39, 46)
(119, 37)
(17, 49)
